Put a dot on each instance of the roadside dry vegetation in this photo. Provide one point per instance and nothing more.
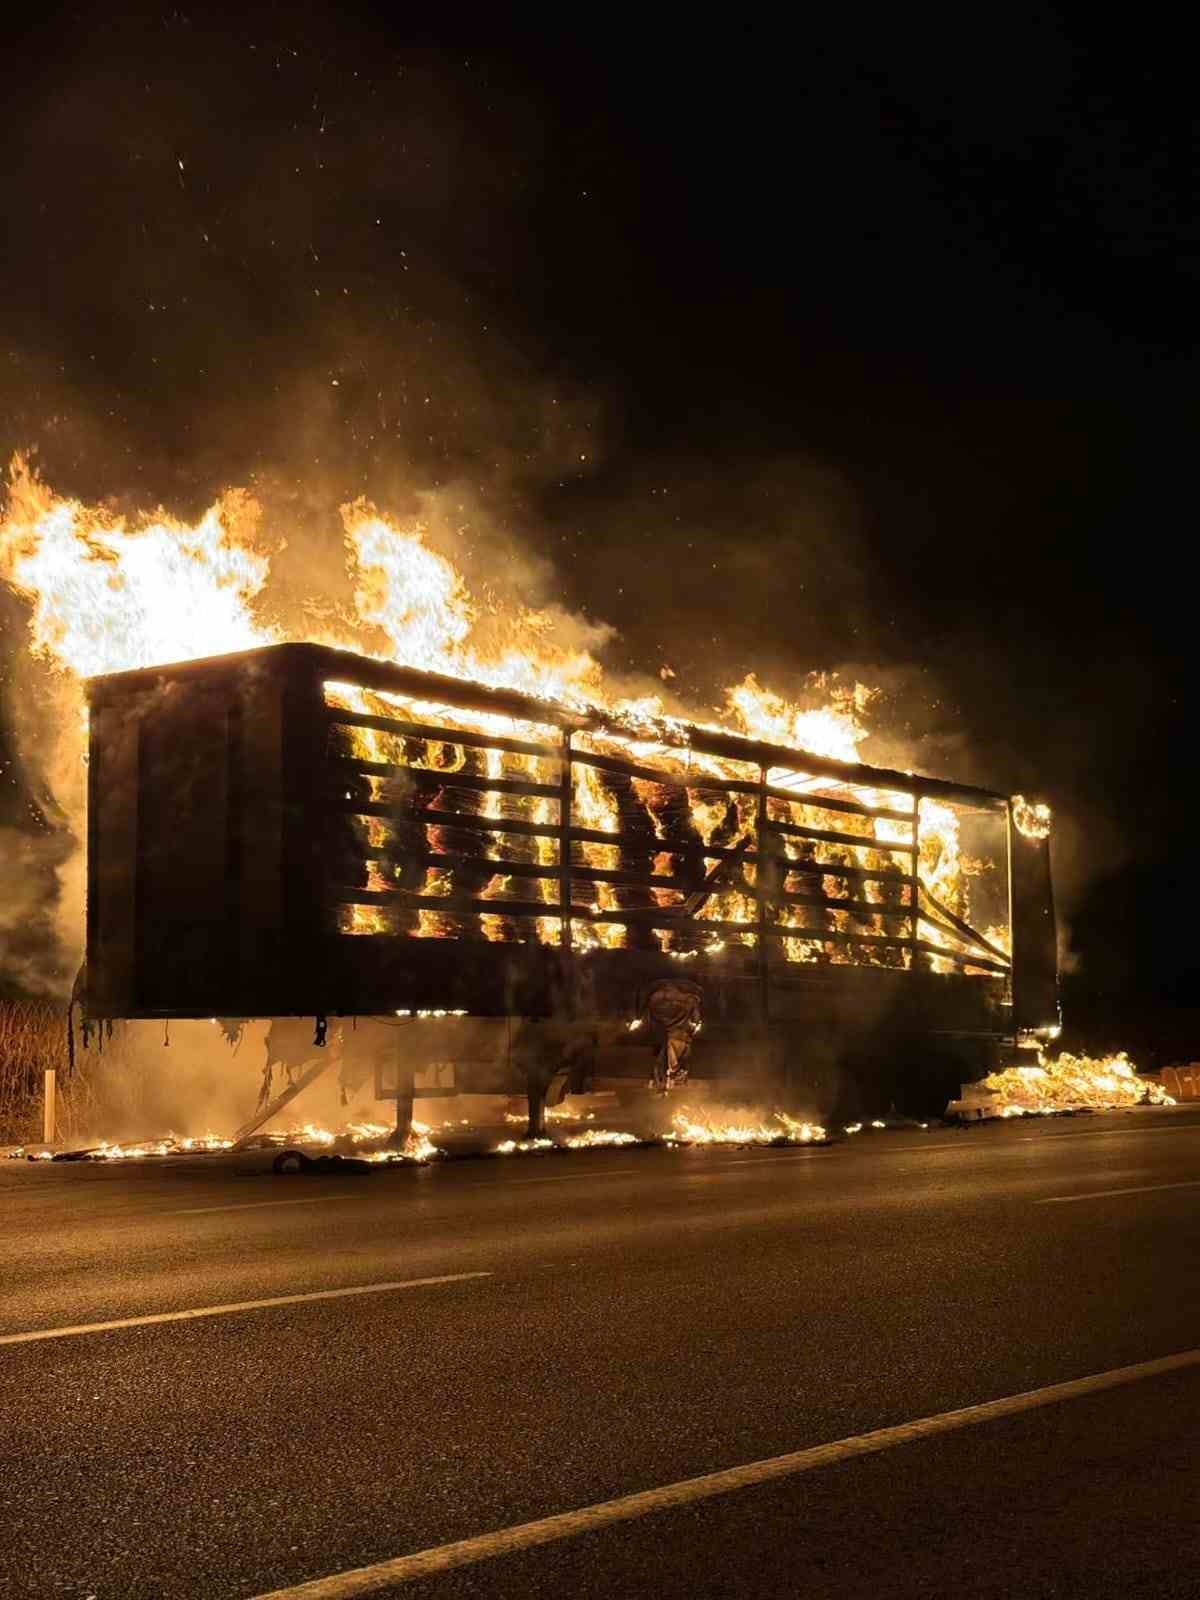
(33, 1038)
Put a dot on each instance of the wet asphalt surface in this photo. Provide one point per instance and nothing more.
(648, 1316)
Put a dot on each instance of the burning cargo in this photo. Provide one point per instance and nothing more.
(297, 830)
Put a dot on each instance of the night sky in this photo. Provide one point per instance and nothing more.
(790, 351)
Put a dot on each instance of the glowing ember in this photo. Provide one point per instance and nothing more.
(169, 1145)
(598, 1138)
(695, 1128)
(552, 1114)
(1033, 820)
(510, 1147)
(417, 1147)
(374, 1130)
(1072, 1083)
(306, 1133)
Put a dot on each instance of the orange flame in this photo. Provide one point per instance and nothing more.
(107, 592)
(1071, 1083)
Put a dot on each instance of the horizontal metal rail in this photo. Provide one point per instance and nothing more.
(793, 830)
(667, 780)
(874, 908)
(820, 802)
(451, 904)
(821, 936)
(780, 930)
(644, 916)
(708, 783)
(439, 776)
(450, 859)
(631, 878)
(469, 820)
(443, 735)
(660, 847)
(829, 869)
(780, 969)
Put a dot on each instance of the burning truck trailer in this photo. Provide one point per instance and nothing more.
(582, 903)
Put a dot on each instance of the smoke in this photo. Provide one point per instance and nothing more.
(41, 903)
(381, 273)
(150, 1079)
(190, 1078)
(295, 297)
(33, 959)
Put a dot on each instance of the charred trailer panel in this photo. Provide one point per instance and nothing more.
(301, 831)
(216, 839)
(198, 802)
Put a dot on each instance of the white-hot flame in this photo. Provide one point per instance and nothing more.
(107, 594)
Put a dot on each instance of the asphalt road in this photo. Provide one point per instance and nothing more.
(646, 1317)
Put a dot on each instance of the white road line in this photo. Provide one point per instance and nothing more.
(1103, 1194)
(749, 1161)
(964, 1145)
(570, 1177)
(257, 1205)
(570, 1524)
(957, 1147)
(1106, 1133)
(238, 1305)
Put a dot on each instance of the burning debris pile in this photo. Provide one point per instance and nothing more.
(1062, 1084)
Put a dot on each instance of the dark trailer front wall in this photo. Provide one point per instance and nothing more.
(239, 814)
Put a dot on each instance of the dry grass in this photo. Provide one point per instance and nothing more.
(33, 1038)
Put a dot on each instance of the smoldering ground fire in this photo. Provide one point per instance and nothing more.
(469, 818)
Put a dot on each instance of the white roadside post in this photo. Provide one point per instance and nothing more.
(49, 1106)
